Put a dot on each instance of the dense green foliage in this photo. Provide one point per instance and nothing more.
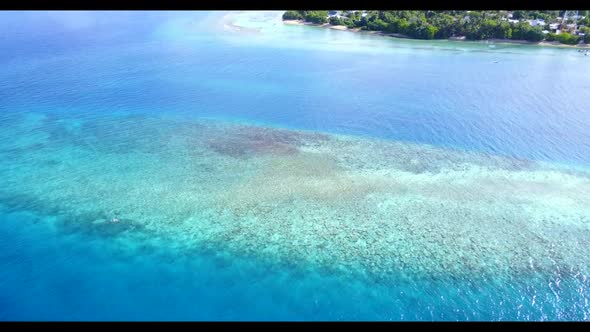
(292, 15)
(316, 16)
(523, 31)
(567, 38)
(473, 25)
(313, 16)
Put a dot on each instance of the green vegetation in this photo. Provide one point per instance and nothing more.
(313, 16)
(567, 38)
(586, 31)
(473, 25)
(524, 31)
(292, 15)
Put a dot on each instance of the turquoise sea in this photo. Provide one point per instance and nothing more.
(225, 166)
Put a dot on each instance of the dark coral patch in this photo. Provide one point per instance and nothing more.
(245, 142)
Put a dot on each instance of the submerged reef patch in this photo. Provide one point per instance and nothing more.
(347, 204)
(245, 142)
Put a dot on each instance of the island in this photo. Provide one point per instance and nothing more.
(564, 27)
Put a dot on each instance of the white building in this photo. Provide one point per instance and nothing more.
(334, 13)
(536, 22)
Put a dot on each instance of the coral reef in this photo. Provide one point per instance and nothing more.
(353, 205)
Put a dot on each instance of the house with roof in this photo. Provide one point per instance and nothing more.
(537, 22)
(334, 13)
(554, 28)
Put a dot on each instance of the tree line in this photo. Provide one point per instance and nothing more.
(473, 25)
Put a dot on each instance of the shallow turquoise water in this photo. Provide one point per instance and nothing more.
(286, 173)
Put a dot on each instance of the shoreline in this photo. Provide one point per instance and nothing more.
(463, 39)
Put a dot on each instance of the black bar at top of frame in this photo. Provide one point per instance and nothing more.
(292, 4)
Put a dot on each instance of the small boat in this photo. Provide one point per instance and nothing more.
(495, 61)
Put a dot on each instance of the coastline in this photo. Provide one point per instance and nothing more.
(401, 36)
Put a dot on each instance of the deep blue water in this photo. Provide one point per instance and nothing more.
(531, 104)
